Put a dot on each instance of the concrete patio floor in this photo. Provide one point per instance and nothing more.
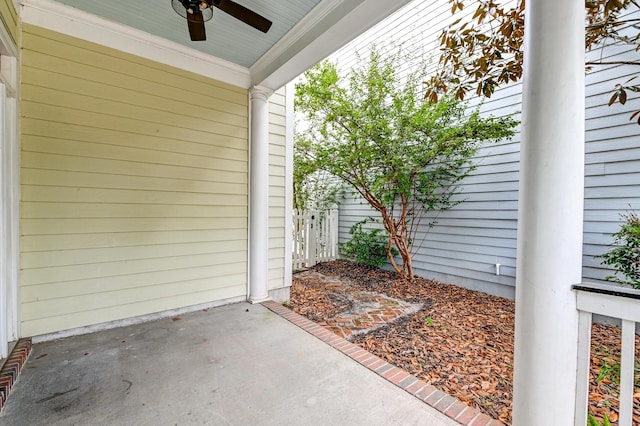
(239, 364)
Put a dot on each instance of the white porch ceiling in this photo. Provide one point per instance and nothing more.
(303, 33)
(227, 38)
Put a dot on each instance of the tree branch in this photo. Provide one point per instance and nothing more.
(612, 63)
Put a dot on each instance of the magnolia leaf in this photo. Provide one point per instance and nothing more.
(622, 96)
(470, 51)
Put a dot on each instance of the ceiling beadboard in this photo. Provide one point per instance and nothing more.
(227, 38)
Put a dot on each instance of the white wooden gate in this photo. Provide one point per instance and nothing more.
(315, 237)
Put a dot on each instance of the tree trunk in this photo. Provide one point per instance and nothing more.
(392, 260)
(405, 254)
(397, 236)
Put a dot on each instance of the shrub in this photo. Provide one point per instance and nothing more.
(367, 246)
(592, 421)
(624, 255)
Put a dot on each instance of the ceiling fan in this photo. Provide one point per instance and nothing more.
(197, 12)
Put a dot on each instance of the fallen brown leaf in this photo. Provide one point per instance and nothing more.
(466, 349)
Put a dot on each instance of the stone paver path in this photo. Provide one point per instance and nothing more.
(369, 310)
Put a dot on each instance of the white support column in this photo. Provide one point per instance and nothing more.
(259, 194)
(550, 218)
(5, 229)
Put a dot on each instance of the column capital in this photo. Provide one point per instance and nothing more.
(260, 93)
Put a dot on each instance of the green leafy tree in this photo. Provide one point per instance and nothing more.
(624, 255)
(313, 188)
(374, 131)
(486, 51)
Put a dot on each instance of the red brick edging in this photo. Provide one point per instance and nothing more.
(450, 406)
(11, 368)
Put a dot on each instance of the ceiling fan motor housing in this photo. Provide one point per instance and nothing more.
(197, 12)
(191, 6)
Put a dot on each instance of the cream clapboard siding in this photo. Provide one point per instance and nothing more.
(470, 239)
(277, 170)
(134, 185)
(9, 18)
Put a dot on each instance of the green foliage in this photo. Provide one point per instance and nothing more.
(624, 255)
(609, 373)
(313, 189)
(592, 421)
(366, 246)
(374, 131)
(483, 52)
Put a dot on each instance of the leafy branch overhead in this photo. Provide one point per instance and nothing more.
(486, 51)
(403, 155)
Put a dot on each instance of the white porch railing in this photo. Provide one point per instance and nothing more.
(615, 302)
(315, 237)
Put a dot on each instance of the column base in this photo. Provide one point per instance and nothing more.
(257, 301)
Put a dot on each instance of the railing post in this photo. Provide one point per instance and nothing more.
(627, 356)
(584, 363)
(614, 302)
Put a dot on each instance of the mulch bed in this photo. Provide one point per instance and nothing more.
(461, 341)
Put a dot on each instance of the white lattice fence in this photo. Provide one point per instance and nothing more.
(315, 237)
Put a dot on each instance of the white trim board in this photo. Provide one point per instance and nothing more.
(328, 27)
(125, 322)
(287, 44)
(76, 23)
(288, 179)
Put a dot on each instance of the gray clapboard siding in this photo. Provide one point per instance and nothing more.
(467, 241)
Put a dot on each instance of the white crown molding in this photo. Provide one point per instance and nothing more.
(334, 25)
(74, 22)
(306, 24)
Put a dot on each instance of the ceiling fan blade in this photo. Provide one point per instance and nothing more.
(243, 14)
(196, 26)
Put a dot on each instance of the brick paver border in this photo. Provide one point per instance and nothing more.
(446, 404)
(11, 368)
